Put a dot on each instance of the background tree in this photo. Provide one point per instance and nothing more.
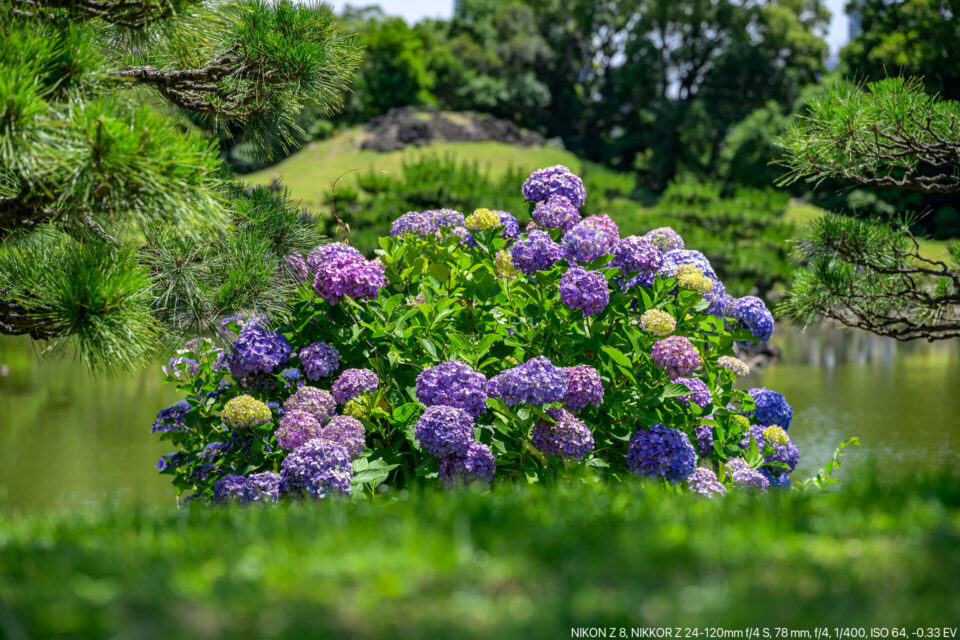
(874, 276)
(96, 166)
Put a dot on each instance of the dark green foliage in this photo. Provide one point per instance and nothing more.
(432, 182)
(522, 561)
(744, 234)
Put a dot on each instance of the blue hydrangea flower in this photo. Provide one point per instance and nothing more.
(704, 434)
(170, 461)
(584, 290)
(444, 431)
(443, 219)
(536, 252)
(173, 418)
(411, 223)
(319, 360)
(699, 393)
(676, 355)
(511, 228)
(537, 381)
(318, 469)
(214, 451)
(704, 481)
(661, 452)
(352, 383)
(263, 487)
(347, 432)
(257, 351)
(584, 243)
(584, 388)
(771, 408)
(783, 452)
(474, 464)
(752, 313)
(555, 180)
(453, 384)
(566, 438)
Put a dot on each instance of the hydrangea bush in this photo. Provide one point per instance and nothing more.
(468, 353)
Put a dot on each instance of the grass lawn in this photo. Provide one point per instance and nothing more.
(520, 562)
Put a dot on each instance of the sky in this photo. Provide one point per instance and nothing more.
(413, 10)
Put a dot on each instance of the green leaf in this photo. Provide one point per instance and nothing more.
(617, 356)
(674, 390)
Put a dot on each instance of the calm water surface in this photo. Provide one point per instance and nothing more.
(67, 438)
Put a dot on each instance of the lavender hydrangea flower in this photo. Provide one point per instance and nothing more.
(566, 438)
(347, 432)
(676, 355)
(661, 452)
(511, 228)
(444, 431)
(735, 366)
(604, 224)
(584, 388)
(665, 239)
(771, 408)
(173, 418)
(453, 384)
(752, 313)
(636, 255)
(296, 429)
(257, 351)
(411, 223)
(319, 360)
(352, 383)
(699, 393)
(746, 478)
(585, 290)
(263, 487)
(318, 469)
(555, 180)
(556, 212)
(335, 252)
(229, 488)
(537, 252)
(317, 402)
(474, 464)
(537, 381)
(359, 280)
(170, 461)
(584, 243)
(244, 412)
(442, 219)
(704, 433)
(181, 368)
(465, 236)
(704, 481)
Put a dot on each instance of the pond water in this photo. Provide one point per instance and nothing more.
(67, 438)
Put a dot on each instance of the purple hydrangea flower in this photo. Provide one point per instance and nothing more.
(555, 180)
(676, 355)
(537, 381)
(214, 451)
(319, 360)
(777, 481)
(704, 439)
(537, 252)
(699, 393)
(662, 451)
(584, 388)
(257, 351)
(444, 431)
(172, 418)
(296, 266)
(411, 223)
(771, 408)
(359, 280)
(704, 481)
(264, 487)
(180, 367)
(335, 252)
(511, 228)
(296, 428)
(634, 254)
(441, 219)
(585, 290)
(465, 236)
(556, 212)
(317, 469)
(352, 383)
(453, 384)
(605, 224)
(231, 487)
(752, 313)
(665, 239)
(170, 461)
(317, 402)
(475, 463)
(347, 432)
(566, 438)
(747, 478)
(584, 243)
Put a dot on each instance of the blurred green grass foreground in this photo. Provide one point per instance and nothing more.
(522, 561)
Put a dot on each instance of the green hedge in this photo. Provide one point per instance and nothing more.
(522, 561)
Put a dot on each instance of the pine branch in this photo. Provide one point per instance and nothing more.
(129, 14)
